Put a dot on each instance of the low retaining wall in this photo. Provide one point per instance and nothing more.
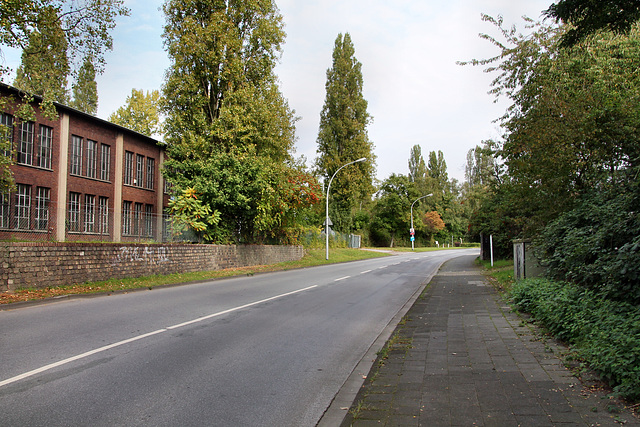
(38, 265)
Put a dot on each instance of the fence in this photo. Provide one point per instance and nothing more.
(87, 222)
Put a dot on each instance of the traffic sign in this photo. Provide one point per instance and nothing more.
(413, 238)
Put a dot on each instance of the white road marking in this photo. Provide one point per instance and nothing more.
(139, 337)
(342, 278)
(366, 271)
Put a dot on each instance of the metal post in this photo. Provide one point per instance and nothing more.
(430, 194)
(326, 222)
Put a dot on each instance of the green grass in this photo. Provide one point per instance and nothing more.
(313, 257)
(501, 274)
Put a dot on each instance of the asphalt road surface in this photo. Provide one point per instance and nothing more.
(266, 350)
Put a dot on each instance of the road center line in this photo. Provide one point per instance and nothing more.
(342, 278)
(139, 337)
(366, 271)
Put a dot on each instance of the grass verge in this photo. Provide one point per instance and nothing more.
(313, 257)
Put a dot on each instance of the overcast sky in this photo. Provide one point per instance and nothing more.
(408, 50)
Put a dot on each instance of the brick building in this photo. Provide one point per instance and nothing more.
(80, 178)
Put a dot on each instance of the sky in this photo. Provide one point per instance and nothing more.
(408, 49)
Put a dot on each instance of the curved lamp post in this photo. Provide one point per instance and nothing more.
(326, 224)
(430, 194)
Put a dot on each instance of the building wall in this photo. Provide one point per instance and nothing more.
(38, 265)
(73, 184)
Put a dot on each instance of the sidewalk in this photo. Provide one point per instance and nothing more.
(464, 359)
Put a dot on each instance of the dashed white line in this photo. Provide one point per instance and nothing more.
(342, 278)
(139, 337)
(366, 271)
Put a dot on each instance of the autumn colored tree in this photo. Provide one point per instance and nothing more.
(433, 222)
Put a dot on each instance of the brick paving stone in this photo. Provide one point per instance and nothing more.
(474, 362)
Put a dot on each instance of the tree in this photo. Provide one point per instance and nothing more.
(85, 89)
(229, 130)
(44, 67)
(342, 136)
(437, 169)
(141, 113)
(392, 210)
(417, 166)
(590, 16)
(433, 222)
(85, 25)
(189, 215)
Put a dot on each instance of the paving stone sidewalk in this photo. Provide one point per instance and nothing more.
(462, 358)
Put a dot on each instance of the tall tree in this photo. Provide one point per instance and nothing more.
(85, 25)
(343, 137)
(417, 166)
(44, 67)
(437, 168)
(229, 130)
(85, 89)
(141, 113)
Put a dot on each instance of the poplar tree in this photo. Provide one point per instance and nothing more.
(85, 89)
(44, 66)
(343, 138)
(230, 132)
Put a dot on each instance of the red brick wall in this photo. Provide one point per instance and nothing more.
(38, 265)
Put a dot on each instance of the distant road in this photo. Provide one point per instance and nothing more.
(266, 350)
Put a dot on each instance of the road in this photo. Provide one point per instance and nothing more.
(266, 350)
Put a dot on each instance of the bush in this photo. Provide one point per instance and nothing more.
(603, 332)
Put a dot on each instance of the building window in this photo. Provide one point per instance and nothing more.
(6, 131)
(151, 172)
(148, 220)
(137, 216)
(92, 158)
(74, 212)
(42, 208)
(44, 150)
(126, 218)
(23, 206)
(76, 156)
(25, 147)
(103, 215)
(128, 168)
(89, 213)
(4, 211)
(139, 171)
(105, 162)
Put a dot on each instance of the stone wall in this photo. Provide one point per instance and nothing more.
(38, 265)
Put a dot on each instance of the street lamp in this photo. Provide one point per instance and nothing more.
(412, 230)
(326, 223)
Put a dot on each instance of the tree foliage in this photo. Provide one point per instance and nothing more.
(229, 130)
(587, 17)
(189, 214)
(343, 137)
(85, 89)
(44, 67)
(85, 25)
(141, 113)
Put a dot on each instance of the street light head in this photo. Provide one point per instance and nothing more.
(430, 194)
(361, 160)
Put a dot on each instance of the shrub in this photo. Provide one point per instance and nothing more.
(603, 332)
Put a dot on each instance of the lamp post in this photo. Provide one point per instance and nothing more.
(326, 223)
(412, 230)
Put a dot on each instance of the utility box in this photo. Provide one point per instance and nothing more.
(355, 241)
(525, 263)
